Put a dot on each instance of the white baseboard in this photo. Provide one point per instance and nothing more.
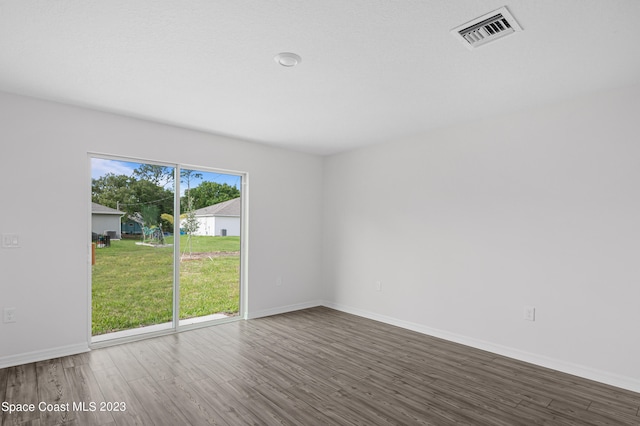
(543, 361)
(283, 309)
(13, 360)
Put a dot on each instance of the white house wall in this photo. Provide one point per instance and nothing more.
(539, 208)
(231, 224)
(213, 226)
(47, 279)
(102, 223)
(206, 226)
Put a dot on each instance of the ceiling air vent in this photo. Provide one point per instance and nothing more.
(486, 28)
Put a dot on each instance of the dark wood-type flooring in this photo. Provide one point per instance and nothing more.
(310, 367)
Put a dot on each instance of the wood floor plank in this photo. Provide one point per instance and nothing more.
(615, 412)
(125, 361)
(538, 388)
(580, 387)
(21, 389)
(190, 402)
(76, 360)
(153, 365)
(99, 359)
(593, 417)
(288, 405)
(159, 407)
(229, 410)
(396, 405)
(86, 394)
(313, 366)
(184, 360)
(53, 393)
(35, 422)
(4, 375)
(268, 415)
(116, 390)
(363, 410)
(550, 416)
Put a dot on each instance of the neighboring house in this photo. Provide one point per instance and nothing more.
(105, 220)
(133, 224)
(222, 219)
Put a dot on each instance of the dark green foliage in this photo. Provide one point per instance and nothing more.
(132, 196)
(209, 193)
(112, 190)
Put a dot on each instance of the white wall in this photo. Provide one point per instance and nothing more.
(466, 226)
(45, 172)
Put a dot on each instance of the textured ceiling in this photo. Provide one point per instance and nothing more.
(371, 71)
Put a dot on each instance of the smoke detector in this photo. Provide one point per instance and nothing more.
(287, 59)
(486, 28)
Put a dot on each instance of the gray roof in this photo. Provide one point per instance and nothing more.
(100, 209)
(230, 208)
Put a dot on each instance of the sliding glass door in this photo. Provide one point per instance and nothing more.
(209, 245)
(165, 244)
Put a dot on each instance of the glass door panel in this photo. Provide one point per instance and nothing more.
(210, 220)
(132, 278)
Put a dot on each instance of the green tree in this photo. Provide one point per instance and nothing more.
(209, 193)
(131, 195)
(113, 190)
(158, 175)
(190, 225)
(186, 178)
(148, 193)
(150, 215)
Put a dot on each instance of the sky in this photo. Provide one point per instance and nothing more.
(102, 166)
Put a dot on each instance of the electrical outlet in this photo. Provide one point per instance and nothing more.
(378, 285)
(529, 313)
(279, 281)
(9, 315)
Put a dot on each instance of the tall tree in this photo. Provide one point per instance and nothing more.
(209, 193)
(186, 177)
(159, 175)
(190, 225)
(113, 190)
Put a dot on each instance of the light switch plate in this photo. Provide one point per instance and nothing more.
(529, 313)
(9, 315)
(10, 241)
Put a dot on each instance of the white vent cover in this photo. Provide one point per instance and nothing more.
(486, 28)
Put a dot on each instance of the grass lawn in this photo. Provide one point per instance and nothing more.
(132, 285)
